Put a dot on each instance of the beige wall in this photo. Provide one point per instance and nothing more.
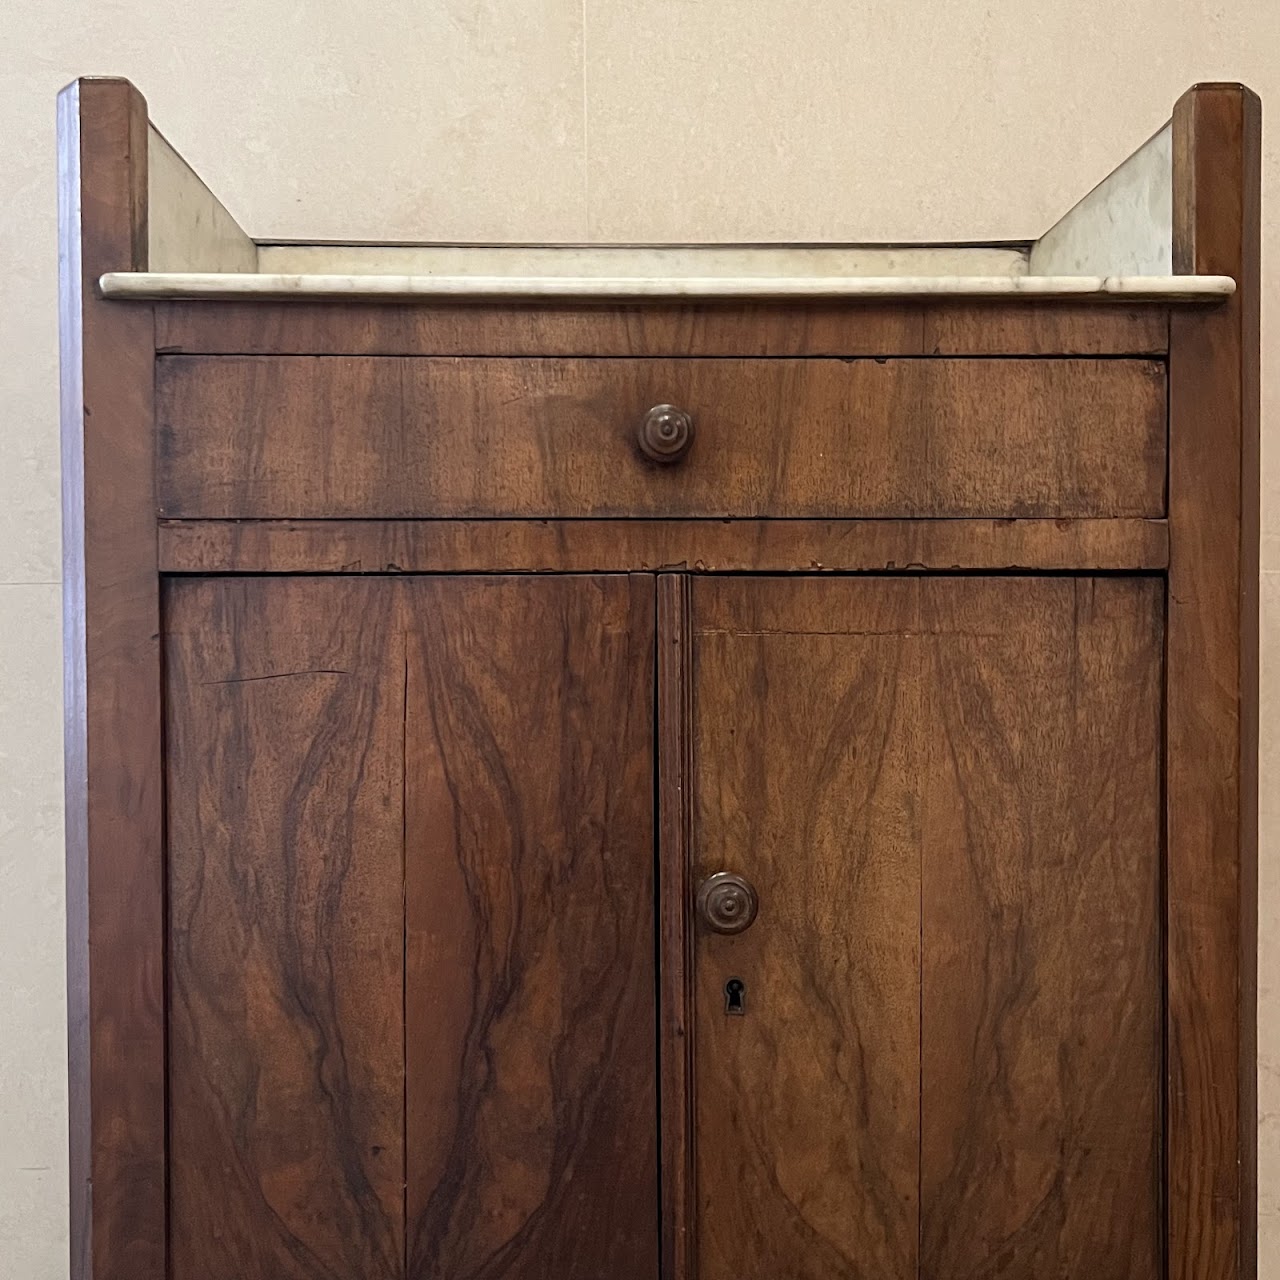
(551, 119)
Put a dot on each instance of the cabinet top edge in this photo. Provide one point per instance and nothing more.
(142, 285)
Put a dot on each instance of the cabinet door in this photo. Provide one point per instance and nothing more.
(529, 998)
(939, 1055)
(411, 935)
(284, 744)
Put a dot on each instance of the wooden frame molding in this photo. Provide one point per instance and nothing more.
(675, 925)
(114, 792)
(1212, 673)
(707, 546)
(950, 327)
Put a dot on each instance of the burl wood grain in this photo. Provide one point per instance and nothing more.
(1040, 1008)
(529, 1001)
(807, 725)
(411, 948)
(254, 437)
(285, 733)
(946, 793)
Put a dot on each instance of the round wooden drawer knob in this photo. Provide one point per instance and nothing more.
(727, 903)
(666, 433)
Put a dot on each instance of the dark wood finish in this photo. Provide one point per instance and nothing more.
(675, 926)
(946, 794)
(1212, 681)
(532, 1109)
(115, 912)
(297, 438)
(950, 1054)
(585, 546)
(1063, 328)
(1038, 809)
(807, 726)
(411, 933)
(285, 733)
(665, 434)
(1056, 327)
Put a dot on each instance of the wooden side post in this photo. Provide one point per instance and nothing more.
(115, 900)
(1212, 678)
(675, 926)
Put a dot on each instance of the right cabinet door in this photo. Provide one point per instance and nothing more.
(936, 1049)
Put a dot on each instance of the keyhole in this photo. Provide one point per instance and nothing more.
(735, 997)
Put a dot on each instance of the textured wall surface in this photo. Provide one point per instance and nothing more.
(555, 120)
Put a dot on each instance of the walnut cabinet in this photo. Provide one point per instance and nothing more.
(661, 764)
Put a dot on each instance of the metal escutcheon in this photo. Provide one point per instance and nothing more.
(727, 903)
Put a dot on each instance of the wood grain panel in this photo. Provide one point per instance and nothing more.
(1213, 694)
(285, 750)
(807, 730)
(1040, 1011)
(663, 329)
(592, 546)
(946, 792)
(1029, 328)
(532, 1110)
(111, 612)
(301, 438)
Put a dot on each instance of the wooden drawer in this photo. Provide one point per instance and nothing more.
(300, 436)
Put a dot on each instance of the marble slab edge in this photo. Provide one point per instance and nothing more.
(227, 285)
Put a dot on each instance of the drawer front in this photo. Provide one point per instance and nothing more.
(331, 437)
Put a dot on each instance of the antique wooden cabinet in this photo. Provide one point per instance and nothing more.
(609, 764)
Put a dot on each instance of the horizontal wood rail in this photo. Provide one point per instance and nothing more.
(727, 546)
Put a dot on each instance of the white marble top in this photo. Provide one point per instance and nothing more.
(650, 261)
(263, 285)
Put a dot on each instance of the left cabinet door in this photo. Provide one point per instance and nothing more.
(285, 780)
(411, 1025)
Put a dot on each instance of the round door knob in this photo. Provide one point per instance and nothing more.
(666, 433)
(727, 903)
